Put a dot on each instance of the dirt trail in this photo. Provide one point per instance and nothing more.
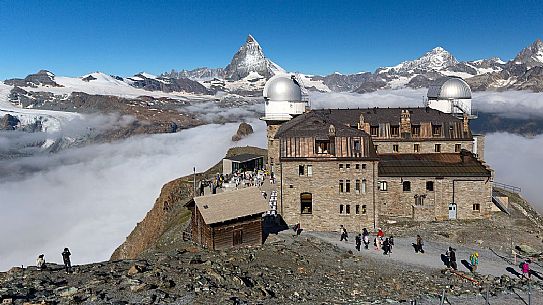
(489, 263)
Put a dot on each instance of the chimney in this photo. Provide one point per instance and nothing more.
(466, 123)
(405, 122)
(361, 121)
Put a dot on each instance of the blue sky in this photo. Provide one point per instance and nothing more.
(73, 38)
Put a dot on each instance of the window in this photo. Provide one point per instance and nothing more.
(415, 130)
(383, 186)
(416, 148)
(395, 148)
(310, 170)
(301, 170)
(374, 131)
(347, 166)
(306, 203)
(356, 145)
(363, 188)
(395, 131)
(436, 130)
(406, 186)
(341, 209)
(363, 166)
(375, 147)
(419, 200)
(437, 148)
(357, 186)
(364, 209)
(341, 186)
(341, 166)
(322, 146)
(430, 186)
(476, 207)
(347, 186)
(357, 166)
(457, 147)
(348, 209)
(357, 209)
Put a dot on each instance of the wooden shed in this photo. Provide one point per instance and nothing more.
(228, 219)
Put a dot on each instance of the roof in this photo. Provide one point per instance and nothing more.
(244, 157)
(376, 116)
(316, 124)
(230, 205)
(462, 164)
(449, 87)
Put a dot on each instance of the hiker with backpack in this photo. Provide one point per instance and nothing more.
(358, 241)
(418, 245)
(40, 262)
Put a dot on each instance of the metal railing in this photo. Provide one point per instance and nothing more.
(507, 187)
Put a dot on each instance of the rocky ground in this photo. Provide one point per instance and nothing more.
(285, 270)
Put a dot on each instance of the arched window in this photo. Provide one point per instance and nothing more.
(407, 186)
(306, 203)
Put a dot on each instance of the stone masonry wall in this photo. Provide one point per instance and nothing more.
(397, 203)
(273, 147)
(384, 147)
(323, 184)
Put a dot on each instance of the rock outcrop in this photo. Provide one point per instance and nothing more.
(244, 130)
(42, 78)
(9, 122)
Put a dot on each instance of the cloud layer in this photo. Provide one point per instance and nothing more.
(89, 199)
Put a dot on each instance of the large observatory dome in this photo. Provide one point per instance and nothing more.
(449, 87)
(282, 88)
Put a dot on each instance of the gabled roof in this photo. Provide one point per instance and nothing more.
(230, 205)
(244, 157)
(462, 164)
(316, 124)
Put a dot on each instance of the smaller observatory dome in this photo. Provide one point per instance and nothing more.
(282, 88)
(449, 87)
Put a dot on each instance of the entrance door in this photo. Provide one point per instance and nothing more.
(452, 210)
(238, 237)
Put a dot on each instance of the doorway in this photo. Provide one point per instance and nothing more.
(452, 210)
(238, 237)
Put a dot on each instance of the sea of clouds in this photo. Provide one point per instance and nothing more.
(90, 198)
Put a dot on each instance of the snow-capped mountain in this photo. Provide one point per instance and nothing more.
(250, 58)
(532, 55)
(435, 60)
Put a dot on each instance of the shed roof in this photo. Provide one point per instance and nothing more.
(230, 205)
(244, 157)
(462, 164)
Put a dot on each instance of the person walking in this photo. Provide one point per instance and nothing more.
(378, 243)
(366, 238)
(40, 262)
(380, 233)
(391, 242)
(526, 268)
(344, 234)
(452, 258)
(386, 247)
(474, 261)
(358, 240)
(66, 258)
(419, 244)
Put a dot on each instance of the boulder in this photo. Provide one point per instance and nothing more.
(244, 130)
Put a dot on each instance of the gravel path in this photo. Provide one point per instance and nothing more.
(489, 263)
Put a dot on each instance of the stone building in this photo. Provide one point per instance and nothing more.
(351, 166)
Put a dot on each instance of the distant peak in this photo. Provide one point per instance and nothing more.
(439, 50)
(538, 43)
(251, 39)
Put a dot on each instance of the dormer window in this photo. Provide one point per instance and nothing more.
(374, 131)
(415, 130)
(322, 146)
(395, 131)
(436, 130)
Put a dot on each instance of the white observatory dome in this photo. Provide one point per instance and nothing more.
(282, 88)
(449, 87)
(283, 96)
(450, 94)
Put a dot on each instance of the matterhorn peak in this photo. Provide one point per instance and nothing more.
(250, 58)
(251, 39)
